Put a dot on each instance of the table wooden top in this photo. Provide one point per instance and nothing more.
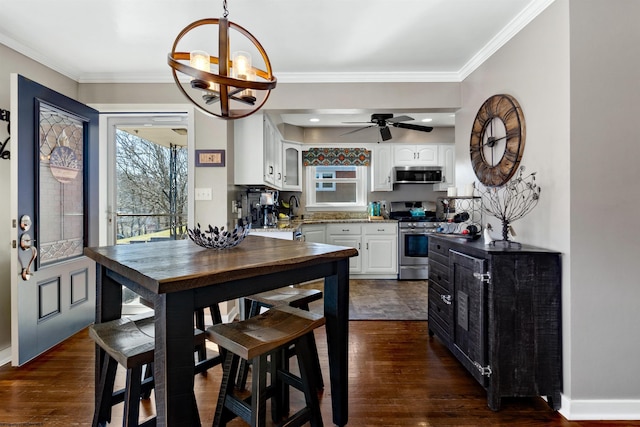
(176, 265)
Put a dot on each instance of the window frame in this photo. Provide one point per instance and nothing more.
(361, 191)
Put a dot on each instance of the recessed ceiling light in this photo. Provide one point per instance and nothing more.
(314, 119)
(427, 120)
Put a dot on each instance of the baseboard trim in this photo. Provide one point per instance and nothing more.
(600, 410)
(5, 356)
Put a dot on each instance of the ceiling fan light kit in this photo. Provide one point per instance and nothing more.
(227, 86)
(383, 120)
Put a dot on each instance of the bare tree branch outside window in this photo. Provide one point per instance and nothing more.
(146, 203)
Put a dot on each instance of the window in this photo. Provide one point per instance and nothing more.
(331, 187)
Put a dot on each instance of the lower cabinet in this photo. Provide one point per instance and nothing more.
(377, 246)
(498, 310)
(349, 235)
(314, 233)
(284, 235)
(380, 250)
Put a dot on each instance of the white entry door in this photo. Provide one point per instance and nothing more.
(54, 208)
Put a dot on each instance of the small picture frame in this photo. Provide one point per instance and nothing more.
(210, 158)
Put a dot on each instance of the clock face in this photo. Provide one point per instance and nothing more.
(497, 140)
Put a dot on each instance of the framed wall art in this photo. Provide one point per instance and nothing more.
(210, 158)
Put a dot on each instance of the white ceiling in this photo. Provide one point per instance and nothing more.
(306, 41)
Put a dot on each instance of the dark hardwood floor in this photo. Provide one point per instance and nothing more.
(397, 377)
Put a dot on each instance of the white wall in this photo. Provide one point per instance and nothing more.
(575, 70)
(605, 201)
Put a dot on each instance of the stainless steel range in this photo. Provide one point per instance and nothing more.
(414, 227)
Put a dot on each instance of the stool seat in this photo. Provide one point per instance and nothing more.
(269, 334)
(261, 334)
(295, 297)
(131, 341)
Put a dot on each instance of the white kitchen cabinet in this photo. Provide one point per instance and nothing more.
(257, 152)
(291, 166)
(249, 150)
(349, 235)
(377, 246)
(380, 249)
(283, 235)
(272, 154)
(415, 155)
(381, 168)
(446, 159)
(314, 233)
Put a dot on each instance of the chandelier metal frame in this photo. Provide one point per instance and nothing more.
(230, 88)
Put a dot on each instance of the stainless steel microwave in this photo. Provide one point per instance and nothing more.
(417, 174)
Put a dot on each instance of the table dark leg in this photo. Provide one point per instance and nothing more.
(336, 312)
(108, 307)
(173, 362)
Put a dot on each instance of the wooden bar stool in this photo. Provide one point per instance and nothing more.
(269, 334)
(294, 297)
(129, 342)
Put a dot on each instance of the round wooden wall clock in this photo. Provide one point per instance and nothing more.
(497, 140)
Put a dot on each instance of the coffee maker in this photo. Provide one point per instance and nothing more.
(268, 208)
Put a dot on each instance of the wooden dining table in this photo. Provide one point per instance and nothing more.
(179, 277)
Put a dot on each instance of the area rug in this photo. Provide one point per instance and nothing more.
(382, 299)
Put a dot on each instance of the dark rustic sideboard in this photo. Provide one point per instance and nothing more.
(498, 310)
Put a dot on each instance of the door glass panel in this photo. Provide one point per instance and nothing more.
(60, 178)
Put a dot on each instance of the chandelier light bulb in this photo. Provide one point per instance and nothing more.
(242, 65)
(199, 59)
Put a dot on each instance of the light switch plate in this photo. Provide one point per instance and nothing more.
(203, 194)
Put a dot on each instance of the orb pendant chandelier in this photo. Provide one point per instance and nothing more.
(227, 86)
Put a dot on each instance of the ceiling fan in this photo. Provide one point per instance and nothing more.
(384, 120)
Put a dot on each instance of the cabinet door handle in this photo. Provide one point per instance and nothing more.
(279, 176)
(358, 246)
(446, 299)
(270, 170)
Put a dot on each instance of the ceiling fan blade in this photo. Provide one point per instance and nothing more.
(356, 130)
(412, 127)
(399, 119)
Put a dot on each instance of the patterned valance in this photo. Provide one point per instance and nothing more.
(336, 157)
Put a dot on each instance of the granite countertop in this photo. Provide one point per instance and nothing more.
(294, 225)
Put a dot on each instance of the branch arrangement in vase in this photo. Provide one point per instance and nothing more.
(512, 201)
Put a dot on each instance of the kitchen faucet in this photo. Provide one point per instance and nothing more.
(294, 198)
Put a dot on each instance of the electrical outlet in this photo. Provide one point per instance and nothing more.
(234, 206)
(203, 194)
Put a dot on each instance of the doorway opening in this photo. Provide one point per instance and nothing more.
(147, 183)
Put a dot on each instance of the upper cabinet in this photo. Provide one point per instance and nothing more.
(262, 158)
(381, 168)
(446, 159)
(272, 154)
(415, 155)
(249, 150)
(291, 166)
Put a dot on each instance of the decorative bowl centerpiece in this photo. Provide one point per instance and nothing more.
(219, 238)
